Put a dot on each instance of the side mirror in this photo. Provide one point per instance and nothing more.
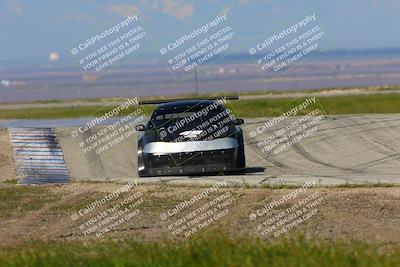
(238, 121)
(140, 127)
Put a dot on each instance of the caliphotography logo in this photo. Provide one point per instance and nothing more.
(199, 133)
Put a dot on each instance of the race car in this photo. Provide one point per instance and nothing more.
(190, 137)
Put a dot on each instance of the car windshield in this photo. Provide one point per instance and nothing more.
(188, 118)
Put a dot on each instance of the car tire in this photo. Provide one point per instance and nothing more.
(241, 158)
(140, 164)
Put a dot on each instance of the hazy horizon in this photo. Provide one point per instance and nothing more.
(31, 31)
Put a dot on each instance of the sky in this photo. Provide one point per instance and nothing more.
(31, 30)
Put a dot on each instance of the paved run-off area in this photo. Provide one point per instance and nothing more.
(344, 149)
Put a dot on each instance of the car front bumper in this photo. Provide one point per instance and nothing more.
(190, 158)
(191, 163)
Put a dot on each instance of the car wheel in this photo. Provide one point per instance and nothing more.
(141, 167)
(241, 158)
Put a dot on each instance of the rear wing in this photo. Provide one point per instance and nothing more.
(162, 101)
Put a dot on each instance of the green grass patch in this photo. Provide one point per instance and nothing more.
(11, 181)
(214, 249)
(21, 199)
(60, 113)
(378, 104)
(78, 203)
(327, 89)
(367, 185)
(247, 108)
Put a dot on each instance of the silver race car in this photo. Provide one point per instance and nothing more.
(190, 137)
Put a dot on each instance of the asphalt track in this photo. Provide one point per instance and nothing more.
(344, 149)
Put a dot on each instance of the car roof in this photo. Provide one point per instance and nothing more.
(182, 105)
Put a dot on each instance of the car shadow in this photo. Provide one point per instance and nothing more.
(247, 170)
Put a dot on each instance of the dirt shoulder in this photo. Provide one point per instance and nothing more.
(44, 213)
(6, 160)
